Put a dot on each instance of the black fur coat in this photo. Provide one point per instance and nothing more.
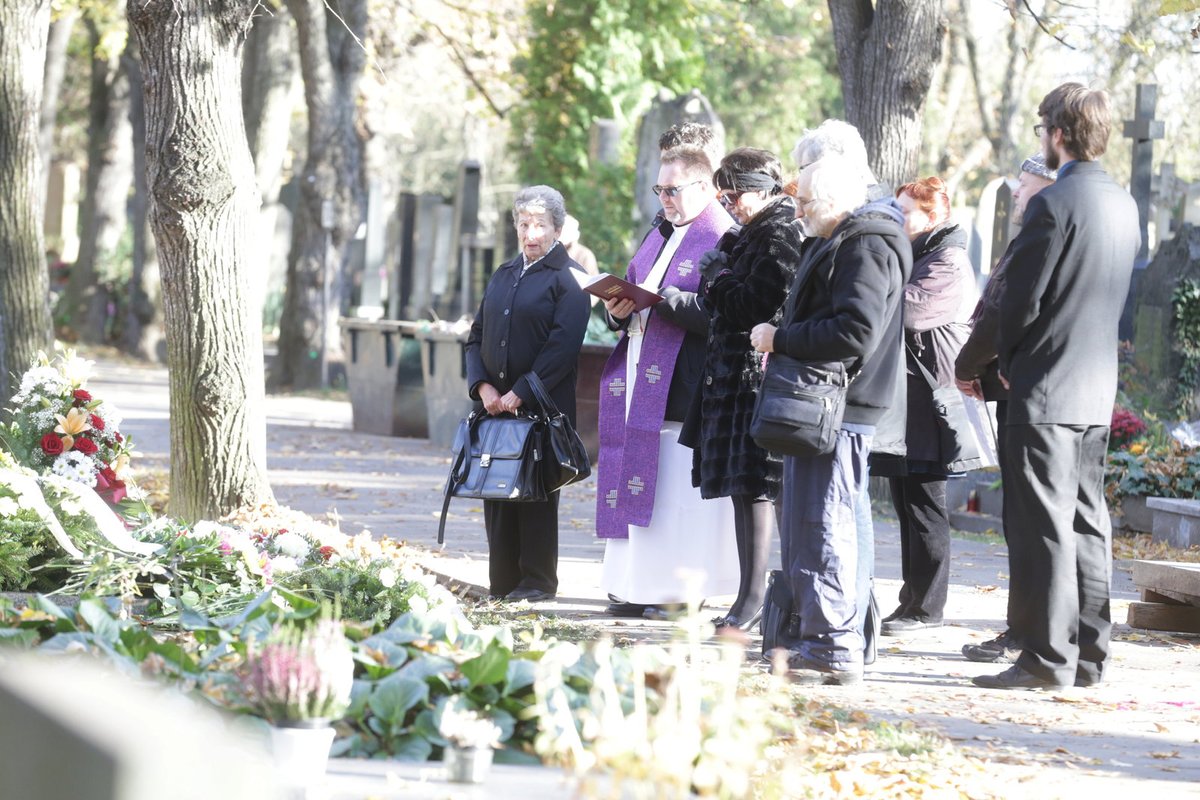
(762, 261)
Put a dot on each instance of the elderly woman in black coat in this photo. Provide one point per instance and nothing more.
(748, 279)
(531, 320)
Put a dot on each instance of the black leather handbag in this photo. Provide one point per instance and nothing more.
(565, 459)
(957, 446)
(798, 411)
(496, 457)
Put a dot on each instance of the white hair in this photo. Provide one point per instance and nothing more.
(540, 198)
(833, 136)
(838, 181)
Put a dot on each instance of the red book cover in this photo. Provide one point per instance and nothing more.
(606, 287)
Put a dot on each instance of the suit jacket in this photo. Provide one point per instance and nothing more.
(1065, 287)
(530, 323)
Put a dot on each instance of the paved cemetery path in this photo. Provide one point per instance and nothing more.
(1140, 731)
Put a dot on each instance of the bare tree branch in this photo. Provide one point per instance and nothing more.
(1041, 24)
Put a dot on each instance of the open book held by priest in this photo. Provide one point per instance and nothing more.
(607, 287)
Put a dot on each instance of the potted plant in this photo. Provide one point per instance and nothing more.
(300, 683)
(470, 742)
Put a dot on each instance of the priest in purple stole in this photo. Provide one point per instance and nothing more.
(665, 544)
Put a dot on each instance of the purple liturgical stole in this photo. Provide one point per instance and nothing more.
(627, 468)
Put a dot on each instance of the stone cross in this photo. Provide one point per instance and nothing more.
(1143, 129)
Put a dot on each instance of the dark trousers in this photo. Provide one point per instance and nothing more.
(1060, 548)
(920, 502)
(819, 544)
(522, 545)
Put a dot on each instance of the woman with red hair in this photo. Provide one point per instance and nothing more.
(938, 301)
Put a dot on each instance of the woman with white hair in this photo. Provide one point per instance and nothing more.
(531, 320)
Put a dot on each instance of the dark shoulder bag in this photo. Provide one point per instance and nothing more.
(565, 459)
(957, 447)
(799, 404)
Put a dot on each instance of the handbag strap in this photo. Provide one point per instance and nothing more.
(549, 409)
(932, 381)
(456, 479)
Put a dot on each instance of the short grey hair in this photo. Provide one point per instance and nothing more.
(838, 181)
(833, 136)
(538, 199)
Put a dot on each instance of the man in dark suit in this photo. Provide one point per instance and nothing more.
(1066, 286)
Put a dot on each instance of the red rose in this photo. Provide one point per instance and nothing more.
(326, 552)
(52, 445)
(118, 437)
(85, 446)
(81, 397)
(96, 422)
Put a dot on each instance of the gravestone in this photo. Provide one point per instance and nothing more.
(401, 232)
(664, 112)
(370, 290)
(75, 728)
(61, 221)
(1176, 259)
(980, 249)
(1166, 189)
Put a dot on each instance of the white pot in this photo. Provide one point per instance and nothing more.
(467, 764)
(301, 754)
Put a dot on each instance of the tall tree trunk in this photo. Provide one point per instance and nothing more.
(141, 333)
(56, 67)
(24, 283)
(886, 53)
(203, 203)
(331, 62)
(271, 88)
(104, 213)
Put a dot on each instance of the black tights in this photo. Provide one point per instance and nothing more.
(754, 524)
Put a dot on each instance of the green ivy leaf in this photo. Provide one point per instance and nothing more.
(394, 696)
(490, 666)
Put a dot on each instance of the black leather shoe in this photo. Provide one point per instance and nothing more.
(807, 671)
(1004, 649)
(666, 612)
(897, 614)
(532, 595)
(618, 608)
(1014, 678)
(902, 625)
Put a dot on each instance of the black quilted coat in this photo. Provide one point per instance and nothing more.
(762, 261)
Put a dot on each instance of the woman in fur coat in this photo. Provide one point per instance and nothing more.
(748, 277)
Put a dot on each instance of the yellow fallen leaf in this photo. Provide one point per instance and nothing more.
(1172, 754)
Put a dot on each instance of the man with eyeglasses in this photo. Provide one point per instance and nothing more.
(1065, 286)
(664, 543)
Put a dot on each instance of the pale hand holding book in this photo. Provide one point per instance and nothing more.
(608, 287)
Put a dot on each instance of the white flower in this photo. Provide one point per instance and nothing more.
(387, 576)
(77, 370)
(111, 416)
(292, 544)
(9, 507)
(1187, 434)
(281, 565)
(43, 380)
(75, 466)
(417, 604)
